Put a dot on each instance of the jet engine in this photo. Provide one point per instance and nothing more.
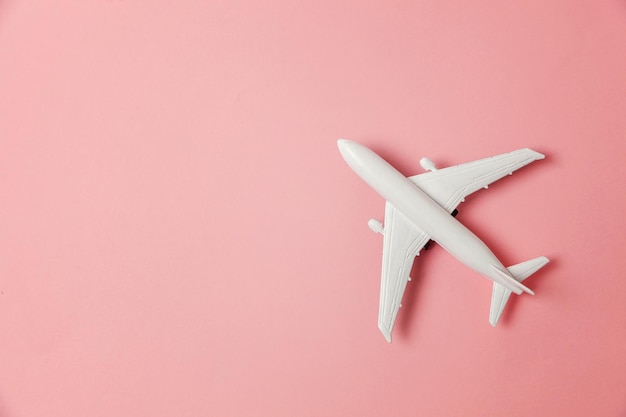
(428, 165)
(376, 226)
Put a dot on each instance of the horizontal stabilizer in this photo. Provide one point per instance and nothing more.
(500, 294)
(506, 280)
(523, 270)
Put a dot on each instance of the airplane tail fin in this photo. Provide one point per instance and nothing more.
(500, 294)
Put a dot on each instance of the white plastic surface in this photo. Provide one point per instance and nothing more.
(418, 209)
(500, 294)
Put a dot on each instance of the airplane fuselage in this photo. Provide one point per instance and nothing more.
(425, 213)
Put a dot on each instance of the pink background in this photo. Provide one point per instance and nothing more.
(179, 235)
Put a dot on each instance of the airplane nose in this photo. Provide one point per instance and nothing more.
(342, 144)
(345, 146)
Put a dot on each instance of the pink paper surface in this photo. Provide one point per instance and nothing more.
(179, 235)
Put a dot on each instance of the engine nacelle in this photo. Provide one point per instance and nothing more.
(428, 165)
(376, 226)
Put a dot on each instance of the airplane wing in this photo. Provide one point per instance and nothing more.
(402, 242)
(449, 186)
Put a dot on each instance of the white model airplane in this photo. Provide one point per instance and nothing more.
(419, 209)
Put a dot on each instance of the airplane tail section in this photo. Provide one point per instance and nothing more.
(500, 295)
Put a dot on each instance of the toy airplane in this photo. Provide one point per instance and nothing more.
(419, 209)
